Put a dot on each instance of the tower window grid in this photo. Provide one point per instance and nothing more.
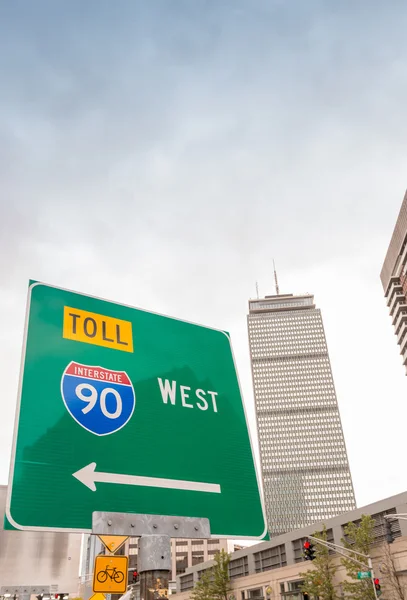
(303, 455)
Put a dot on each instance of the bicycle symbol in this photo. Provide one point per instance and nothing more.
(112, 573)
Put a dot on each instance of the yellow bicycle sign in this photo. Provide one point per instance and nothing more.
(110, 574)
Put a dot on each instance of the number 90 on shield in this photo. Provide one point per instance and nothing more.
(100, 400)
(93, 398)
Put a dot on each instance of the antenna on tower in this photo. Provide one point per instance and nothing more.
(275, 279)
(257, 290)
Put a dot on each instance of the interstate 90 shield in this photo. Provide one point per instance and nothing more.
(100, 400)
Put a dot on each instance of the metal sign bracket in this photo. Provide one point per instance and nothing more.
(135, 525)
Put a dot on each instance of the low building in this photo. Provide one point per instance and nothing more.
(36, 558)
(272, 570)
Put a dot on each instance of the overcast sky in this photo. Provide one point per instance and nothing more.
(160, 153)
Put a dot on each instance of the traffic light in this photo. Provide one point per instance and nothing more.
(309, 552)
(377, 585)
(389, 535)
(135, 576)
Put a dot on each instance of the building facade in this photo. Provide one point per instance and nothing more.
(305, 469)
(394, 280)
(36, 559)
(273, 570)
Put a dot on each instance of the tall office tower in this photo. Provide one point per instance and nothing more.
(305, 467)
(394, 280)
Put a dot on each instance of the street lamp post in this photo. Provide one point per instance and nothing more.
(341, 550)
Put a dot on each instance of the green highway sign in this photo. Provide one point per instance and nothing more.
(124, 410)
(364, 574)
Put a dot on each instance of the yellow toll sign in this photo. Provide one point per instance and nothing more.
(100, 330)
(113, 542)
(110, 574)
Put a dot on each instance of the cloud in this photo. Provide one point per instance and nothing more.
(161, 153)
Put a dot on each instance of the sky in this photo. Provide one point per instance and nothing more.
(162, 153)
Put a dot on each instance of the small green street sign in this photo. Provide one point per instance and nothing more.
(364, 574)
(124, 410)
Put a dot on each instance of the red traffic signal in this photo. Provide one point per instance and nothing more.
(135, 576)
(309, 552)
(377, 584)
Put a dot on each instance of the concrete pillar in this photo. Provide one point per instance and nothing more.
(289, 552)
(250, 563)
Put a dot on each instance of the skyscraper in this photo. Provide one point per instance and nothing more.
(394, 280)
(305, 467)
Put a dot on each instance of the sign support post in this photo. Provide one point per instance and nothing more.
(154, 566)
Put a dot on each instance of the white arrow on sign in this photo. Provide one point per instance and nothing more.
(89, 476)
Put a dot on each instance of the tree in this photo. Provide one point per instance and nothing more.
(214, 583)
(319, 581)
(392, 581)
(203, 588)
(359, 538)
(221, 580)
